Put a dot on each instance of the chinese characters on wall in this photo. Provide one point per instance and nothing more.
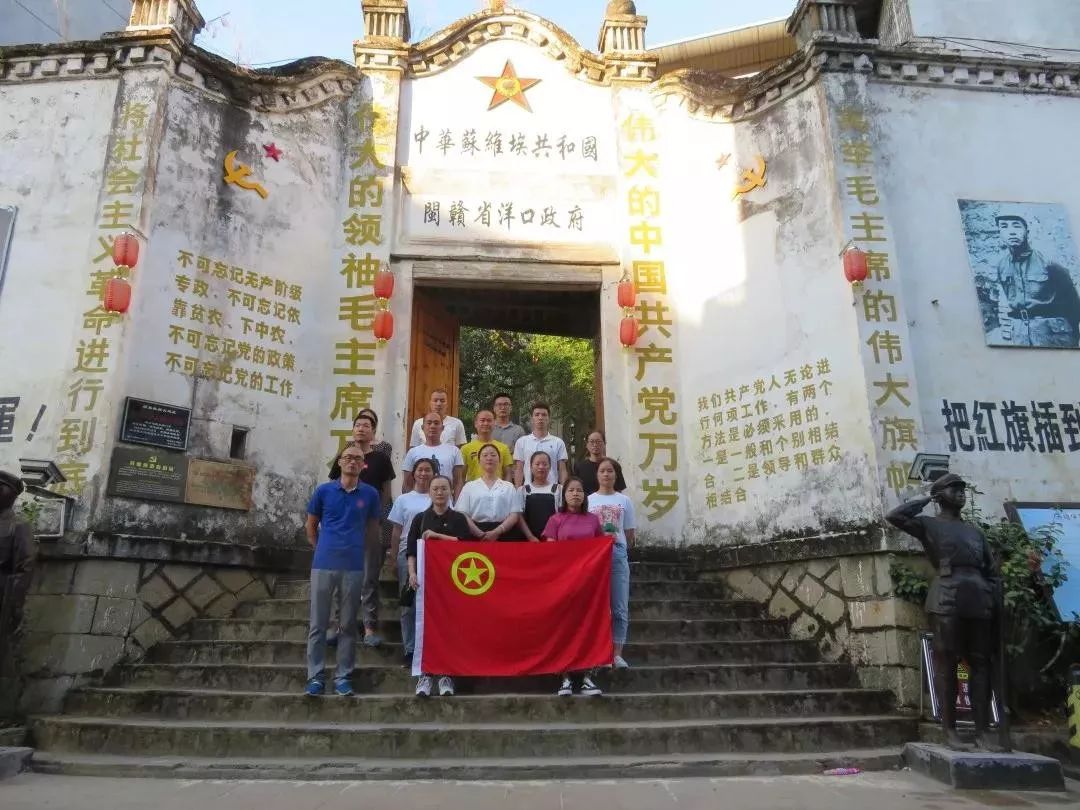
(882, 327)
(658, 419)
(259, 310)
(367, 246)
(1001, 426)
(509, 146)
(764, 427)
(97, 345)
(504, 218)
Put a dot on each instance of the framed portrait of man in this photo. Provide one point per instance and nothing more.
(1026, 273)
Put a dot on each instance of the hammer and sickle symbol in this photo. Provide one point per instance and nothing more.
(236, 173)
(751, 178)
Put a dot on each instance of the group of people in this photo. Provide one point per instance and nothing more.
(503, 485)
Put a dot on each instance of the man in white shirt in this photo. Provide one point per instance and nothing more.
(539, 440)
(447, 457)
(453, 430)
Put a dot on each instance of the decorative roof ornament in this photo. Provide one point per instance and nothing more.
(834, 18)
(182, 16)
(623, 30)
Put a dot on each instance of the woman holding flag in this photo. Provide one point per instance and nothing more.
(438, 522)
(574, 522)
(407, 507)
(616, 514)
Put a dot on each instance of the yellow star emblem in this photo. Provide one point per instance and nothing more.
(473, 579)
(508, 87)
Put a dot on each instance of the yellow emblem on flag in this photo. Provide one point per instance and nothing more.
(475, 578)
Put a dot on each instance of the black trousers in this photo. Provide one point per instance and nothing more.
(957, 638)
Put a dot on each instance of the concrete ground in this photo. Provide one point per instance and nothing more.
(881, 791)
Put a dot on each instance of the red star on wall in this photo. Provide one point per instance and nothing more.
(508, 87)
(273, 152)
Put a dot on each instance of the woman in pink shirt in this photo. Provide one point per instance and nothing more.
(574, 522)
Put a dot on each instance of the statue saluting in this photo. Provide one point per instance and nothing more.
(961, 602)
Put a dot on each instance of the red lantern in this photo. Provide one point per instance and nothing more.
(117, 295)
(383, 326)
(855, 266)
(125, 250)
(384, 284)
(628, 332)
(627, 295)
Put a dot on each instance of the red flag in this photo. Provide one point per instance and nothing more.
(509, 609)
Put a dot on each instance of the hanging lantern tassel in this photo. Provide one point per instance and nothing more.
(117, 297)
(125, 250)
(383, 326)
(628, 332)
(856, 269)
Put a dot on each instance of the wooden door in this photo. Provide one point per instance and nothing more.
(434, 355)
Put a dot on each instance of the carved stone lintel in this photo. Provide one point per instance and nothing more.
(181, 16)
(833, 17)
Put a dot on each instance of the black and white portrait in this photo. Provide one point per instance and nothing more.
(1026, 273)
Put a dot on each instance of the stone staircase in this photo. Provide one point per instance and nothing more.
(715, 688)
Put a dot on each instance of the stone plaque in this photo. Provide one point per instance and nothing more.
(220, 484)
(155, 423)
(148, 475)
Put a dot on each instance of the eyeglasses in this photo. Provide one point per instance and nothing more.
(352, 458)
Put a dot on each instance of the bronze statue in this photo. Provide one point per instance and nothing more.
(16, 561)
(961, 602)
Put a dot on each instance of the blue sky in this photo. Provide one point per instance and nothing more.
(257, 32)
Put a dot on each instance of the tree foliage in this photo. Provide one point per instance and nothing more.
(557, 370)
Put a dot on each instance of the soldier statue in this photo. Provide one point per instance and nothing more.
(961, 602)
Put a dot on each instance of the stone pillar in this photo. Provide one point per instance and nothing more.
(623, 30)
(182, 16)
(832, 17)
(622, 43)
(385, 21)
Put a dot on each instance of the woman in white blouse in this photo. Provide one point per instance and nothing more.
(491, 503)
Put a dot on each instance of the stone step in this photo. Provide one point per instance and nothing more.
(179, 766)
(390, 629)
(290, 707)
(639, 609)
(395, 679)
(640, 589)
(655, 653)
(152, 737)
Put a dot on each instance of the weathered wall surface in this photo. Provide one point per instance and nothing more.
(773, 395)
(1021, 456)
(53, 138)
(1043, 23)
(231, 309)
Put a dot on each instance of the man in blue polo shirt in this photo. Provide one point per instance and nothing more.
(339, 516)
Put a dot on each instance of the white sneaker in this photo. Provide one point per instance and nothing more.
(589, 688)
(423, 686)
(620, 663)
(446, 686)
(566, 689)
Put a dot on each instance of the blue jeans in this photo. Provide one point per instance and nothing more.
(620, 594)
(408, 615)
(346, 587)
